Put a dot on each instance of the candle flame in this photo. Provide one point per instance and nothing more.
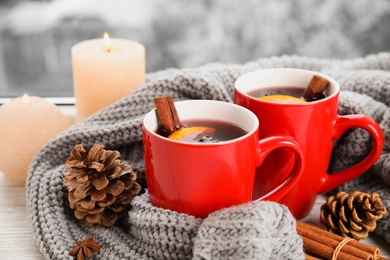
(26, 98)
(106, 42)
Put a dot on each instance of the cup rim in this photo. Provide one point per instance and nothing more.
(151, 127)
(239, 85)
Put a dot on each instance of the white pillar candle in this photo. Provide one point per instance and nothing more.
(27, 124)
(104, 70)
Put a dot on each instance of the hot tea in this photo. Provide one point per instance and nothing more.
(206, 131)
(283, 93)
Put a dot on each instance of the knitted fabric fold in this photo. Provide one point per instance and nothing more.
(244, 231)
(251, 231)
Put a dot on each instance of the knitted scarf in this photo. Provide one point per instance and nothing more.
(255, 230)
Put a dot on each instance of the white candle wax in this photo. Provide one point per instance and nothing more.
(105, 72)
(27, 124)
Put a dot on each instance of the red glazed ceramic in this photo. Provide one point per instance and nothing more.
(199, 178)
(315, 125)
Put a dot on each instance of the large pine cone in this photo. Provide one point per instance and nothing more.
(100, 186)
(352, 215)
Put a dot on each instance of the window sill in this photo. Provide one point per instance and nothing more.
(69, 111)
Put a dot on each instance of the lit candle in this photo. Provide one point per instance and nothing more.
(27, 124)
(104, 70)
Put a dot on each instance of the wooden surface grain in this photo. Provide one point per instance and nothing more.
(16, 237)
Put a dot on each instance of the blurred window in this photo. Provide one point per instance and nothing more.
(36, 36)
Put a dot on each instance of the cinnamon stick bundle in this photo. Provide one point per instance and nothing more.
(321, 243)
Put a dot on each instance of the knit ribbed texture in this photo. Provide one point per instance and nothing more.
(256, 230)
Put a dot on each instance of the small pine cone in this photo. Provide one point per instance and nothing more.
(100, 187)
(352, 215)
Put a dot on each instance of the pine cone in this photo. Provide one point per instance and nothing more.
(100, 186)
(352, 215)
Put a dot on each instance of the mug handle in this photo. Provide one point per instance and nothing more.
(266, 146)
(341, 125)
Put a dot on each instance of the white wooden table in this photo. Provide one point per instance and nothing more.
(16, 238)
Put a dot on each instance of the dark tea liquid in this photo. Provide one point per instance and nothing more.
(222, 131)
(290, 91)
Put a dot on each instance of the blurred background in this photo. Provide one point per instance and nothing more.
(36, 36)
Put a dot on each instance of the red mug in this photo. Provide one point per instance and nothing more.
(315, 125)
(199, 178)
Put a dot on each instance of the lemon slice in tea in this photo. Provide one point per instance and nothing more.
(282, 99)
(191, 134)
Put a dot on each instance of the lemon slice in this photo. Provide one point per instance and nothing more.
(282, 99)
(191, 133)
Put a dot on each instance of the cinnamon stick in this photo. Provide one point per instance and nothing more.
(167, 113)
(314, 90)
(323, 237)
(312, 257)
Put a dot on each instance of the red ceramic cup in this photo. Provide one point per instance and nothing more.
(315, 125)
(199, 178)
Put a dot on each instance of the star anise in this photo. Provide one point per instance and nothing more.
(85, 249)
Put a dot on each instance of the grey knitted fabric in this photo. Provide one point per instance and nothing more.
(256, 230)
